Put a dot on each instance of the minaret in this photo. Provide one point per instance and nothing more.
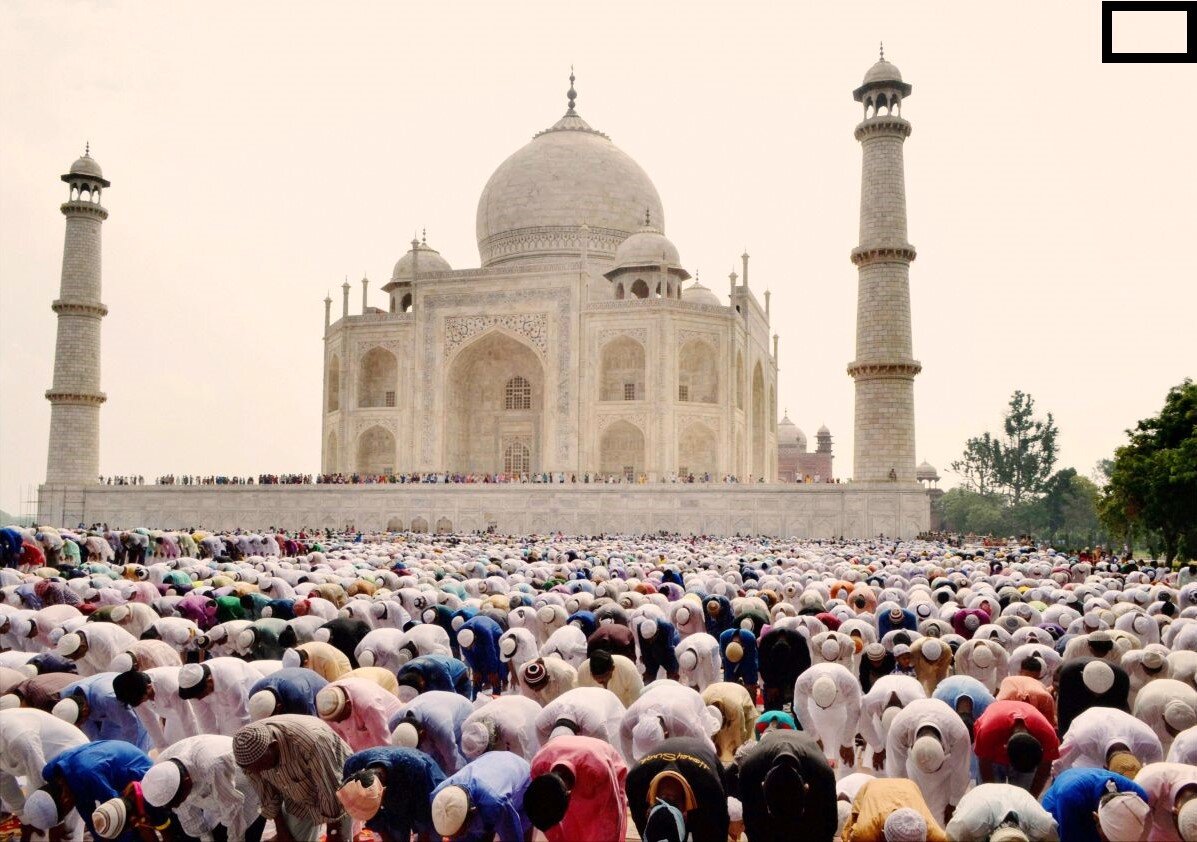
(884, 367)
(75, 396)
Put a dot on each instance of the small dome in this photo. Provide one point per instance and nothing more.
(883, 71)
(823, 431)
(926, 471)
(788, 433)
(696, 293)
(87, 166)
(430, 261)
(647, 247)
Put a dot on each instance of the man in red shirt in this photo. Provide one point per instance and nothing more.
(1014, 743)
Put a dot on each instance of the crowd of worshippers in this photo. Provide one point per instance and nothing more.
(480, 688)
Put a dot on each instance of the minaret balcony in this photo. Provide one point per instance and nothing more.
(864, 255)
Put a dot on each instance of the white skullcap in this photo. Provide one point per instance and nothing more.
(366, 658)
(901, 649)
(475, 738)
(405, 735)
(927, 754)
(67, 710)
(647, 734)
(887, 718)
(322, 635)
(1008, 833)
(457, 622)
(983, 656)
(121, 663)
(875, 650)
(161, 783)
(932, 649)
(648, 628)
(41, 811)
(905, 825)
(507, 646)
(331, 702)
(843, 811)
(1186, 820)
(1153, 659)
(449, 810)
(68, 644)
(109, 818)
(830, 649)
(688, 660)
(261, 705)
(9, 701)
(119, 613)
(1179, 715)
(824, 691)
(972, 622)
(546, 614)
(746, 624)
(291, 658)
(683, 614)
(735, 651)
(1123, 816)
(465, 638)
(190, 675)
(1098, 676)
(245, 640)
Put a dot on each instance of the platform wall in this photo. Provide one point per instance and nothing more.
(807, 511)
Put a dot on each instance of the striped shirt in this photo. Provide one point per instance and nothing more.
(304, 783)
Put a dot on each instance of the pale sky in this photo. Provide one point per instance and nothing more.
(260, 152)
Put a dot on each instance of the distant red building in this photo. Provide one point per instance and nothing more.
(794, 463)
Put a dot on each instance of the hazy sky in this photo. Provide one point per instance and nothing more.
(259, 152)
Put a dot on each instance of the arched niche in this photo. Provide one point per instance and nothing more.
(378, 379)
(698, 372)
(622, 451)
(622, 370)
(375, 452)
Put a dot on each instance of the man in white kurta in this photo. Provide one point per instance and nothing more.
(219, 693)
(586, 711)
(93, 647)
(928, 742)
(207, 788)
(827, 704)
(1096, 734)
(28, 738)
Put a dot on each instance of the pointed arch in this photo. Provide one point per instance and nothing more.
(698, 372)
(330, 453)
(495, 393)
(622, 370)
(622, 451)
(697, 451)
(334, 383)
(375, 452)
(378, 379)
(759, 467)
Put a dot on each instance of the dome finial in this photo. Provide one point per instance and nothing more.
(882, 51)
(423, 236)
(648, 218)
(87, 149)
(572, 94)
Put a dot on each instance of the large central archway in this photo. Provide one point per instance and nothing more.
(494, 401)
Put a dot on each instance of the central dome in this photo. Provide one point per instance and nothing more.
(568, 176)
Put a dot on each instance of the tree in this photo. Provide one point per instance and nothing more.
(976, 466)
(1024, 461)
(1153, 483)
(1016, 465)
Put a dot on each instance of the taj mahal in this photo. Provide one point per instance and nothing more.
(575, 347)
(581, 346)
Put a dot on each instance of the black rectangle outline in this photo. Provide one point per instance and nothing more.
(1108, 7)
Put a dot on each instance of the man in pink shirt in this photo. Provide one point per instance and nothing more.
(577, 791)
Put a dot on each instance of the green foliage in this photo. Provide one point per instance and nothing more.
(1016, 465)
(1152, 490)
